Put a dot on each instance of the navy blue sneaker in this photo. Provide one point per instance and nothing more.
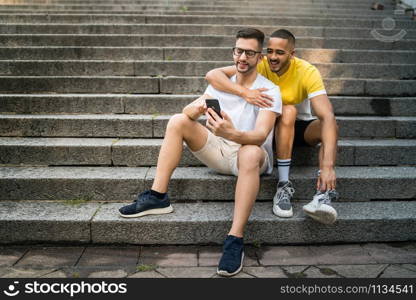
(146, 204)
(232, 258)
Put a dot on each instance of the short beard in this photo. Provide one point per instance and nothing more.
(249, 69)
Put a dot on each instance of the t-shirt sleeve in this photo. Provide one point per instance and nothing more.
(211, 91)
(313, 83)
(277, 97)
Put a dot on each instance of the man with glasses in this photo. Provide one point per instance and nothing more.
(237, 142)
(301, 85)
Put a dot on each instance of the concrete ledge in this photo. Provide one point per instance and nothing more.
(330, 13)
(71, 183)
(353, 183)
(186, 84)
(98, 125)
(147, 126)
(203, 223)
(194, 7)
(196, 29)
(198, 54)
(171, 104)
(193, 183)
(334, 86)
(370, 127)
(186, 68)
(63, 103)
(144, 152)
(80, 84)
(181, 40)
(60, 151)
(134, 18)
(25, 222)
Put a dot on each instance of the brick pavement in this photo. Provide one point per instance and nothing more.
(370, 260)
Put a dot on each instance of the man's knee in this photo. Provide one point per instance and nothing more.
(288, 117)
(249, 157)
(179, 121)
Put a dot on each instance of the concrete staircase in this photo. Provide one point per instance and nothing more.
(87, 88)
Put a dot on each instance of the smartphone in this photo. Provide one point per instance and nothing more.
(215, 105)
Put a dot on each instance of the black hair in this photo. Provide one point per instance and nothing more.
(251, 33)
(284, 34)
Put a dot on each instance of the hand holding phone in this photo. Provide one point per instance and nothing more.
(214, 104)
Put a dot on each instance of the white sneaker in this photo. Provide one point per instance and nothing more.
(281, 201)
(320, 208)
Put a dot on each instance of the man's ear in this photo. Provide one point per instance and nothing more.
(292, 53)
(260, 58)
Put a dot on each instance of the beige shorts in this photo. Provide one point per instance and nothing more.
(221, 155)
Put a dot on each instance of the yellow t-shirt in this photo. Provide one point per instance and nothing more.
(301, 82)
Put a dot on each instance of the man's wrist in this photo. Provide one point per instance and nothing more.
(327, 166)
(242, 92)
(233, 135)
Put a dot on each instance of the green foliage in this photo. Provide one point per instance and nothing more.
(184, 8)
(145, 268)
(79, 200)
(327, 271)
(297, 275)
(257, 244)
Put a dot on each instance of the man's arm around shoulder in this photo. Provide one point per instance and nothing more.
(220, 79)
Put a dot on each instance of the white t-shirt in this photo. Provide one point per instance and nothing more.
(244, 114)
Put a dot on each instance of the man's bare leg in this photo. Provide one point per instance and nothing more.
(320, 208)
(179, 129)
(313, 136)
(284, 135)
(250, 160)
(312, 133)
(285, 132)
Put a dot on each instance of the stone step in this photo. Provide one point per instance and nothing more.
(220, 11)
(188, 84)
(199, 54)
(204, 4)
(186, 68)
(194, 183)
(250, 13)
(132, 125)
(378, 19)
(196, 29)
(119, 40)
(170, 104)
(255, 6)
(338, 86)
(201, 223)
(134, 18)
(188, 4)
(144, 152)
(153, 126)
(80, 84)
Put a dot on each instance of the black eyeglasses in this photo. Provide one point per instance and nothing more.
(249, 53)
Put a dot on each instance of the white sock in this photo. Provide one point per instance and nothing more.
(283, 166)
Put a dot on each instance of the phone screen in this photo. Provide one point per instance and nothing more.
(215, 105)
